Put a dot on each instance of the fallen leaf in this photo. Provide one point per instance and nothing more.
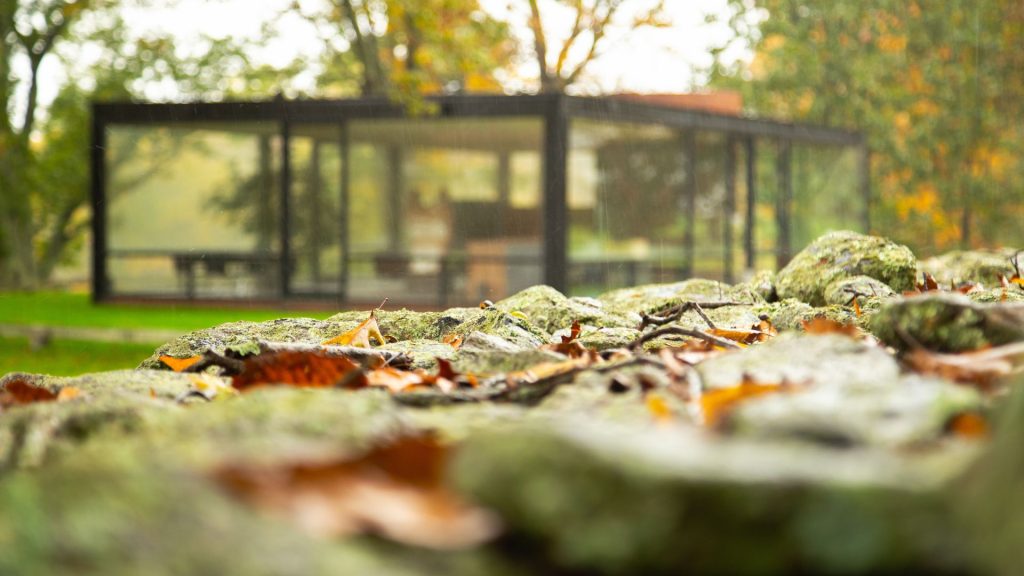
(394, 380)
(304, 369)
(360, 335)
(396, 491)
(968, 425)
(822, 325)
(179, 364)
(453, 340)
(659, 409)
(981, 368)
(570, 345)
(927, 284)
(68, 393)
(19, 392)
(715, 404)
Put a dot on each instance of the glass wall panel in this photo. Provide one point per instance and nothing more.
(826, 195)
(192, 210)
(315, 210)
(627, 213)
(710, 221)
(766, 185)
(444, 211)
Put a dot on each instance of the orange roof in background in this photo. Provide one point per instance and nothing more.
(725, 102)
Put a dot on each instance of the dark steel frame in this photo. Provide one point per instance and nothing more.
(556, 111)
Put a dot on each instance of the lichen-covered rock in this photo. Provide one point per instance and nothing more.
(968, 266)
(654, 297)
(761, 283)
(998, 295)
(947, 322)
(599, 339)
(112, 516)
(244, 334)
(551, 310)
(863, 288)
(842, 255)
(424, 353)
(618, 499)
(898, 414)
(790, 314)
(805, 361)
(995, 524)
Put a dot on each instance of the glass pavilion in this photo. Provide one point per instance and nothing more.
(347, 202)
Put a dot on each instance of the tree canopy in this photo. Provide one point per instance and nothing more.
(936, 87)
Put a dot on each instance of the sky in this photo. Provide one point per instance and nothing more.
(653, 60)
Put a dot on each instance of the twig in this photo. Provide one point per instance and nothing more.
(231, 366)
(680, 331)
(676, 312)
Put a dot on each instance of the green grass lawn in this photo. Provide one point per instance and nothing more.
(69, 357)
(68, 309)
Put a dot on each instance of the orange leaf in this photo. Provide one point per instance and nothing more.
(360, 335)
(822, 325)
(658, 408)
(968, 425)
(393, 379)
(715, 404)
(179, 364)
(19, 392)
(68, 393)
(453, 340)
(396, 491)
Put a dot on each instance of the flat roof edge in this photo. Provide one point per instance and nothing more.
(596, 107)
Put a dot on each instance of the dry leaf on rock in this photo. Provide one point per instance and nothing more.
(179, 364)
(715, 404)
(360, 335)
(981, 368)
(822, 325)
(304, 369)
(20, 392)
(395, 491)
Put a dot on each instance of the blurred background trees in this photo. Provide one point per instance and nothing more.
(935, 85)
(938, 87)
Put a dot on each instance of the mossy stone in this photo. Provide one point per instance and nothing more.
(842, 255)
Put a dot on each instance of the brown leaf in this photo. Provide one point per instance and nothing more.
(19, 392)
(303, 369)
(571, 346)
(395, 380)
(927, 284)
(715, 404)
(981, 368)
(179, 364)
(360, 335)
(396, 491)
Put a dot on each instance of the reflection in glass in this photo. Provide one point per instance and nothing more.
(444, 211)
(191, 210)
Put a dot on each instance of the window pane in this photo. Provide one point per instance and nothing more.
(192, 210)
(444, 211)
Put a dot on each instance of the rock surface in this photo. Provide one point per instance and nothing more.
(830, 454)
(840, 255)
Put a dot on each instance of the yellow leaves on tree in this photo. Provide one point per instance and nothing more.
(396, 491)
